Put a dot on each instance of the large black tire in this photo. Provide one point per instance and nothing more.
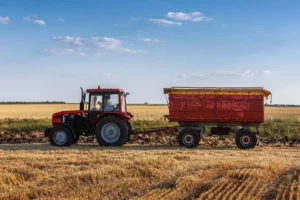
(189, 138)
(111, 131)
(245, 139)
(61, 136)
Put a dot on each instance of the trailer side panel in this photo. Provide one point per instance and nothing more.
(205, 106)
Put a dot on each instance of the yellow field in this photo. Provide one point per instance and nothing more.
(148, 112)
(87, 171)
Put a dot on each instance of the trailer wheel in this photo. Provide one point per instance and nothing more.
(61, 136)
(245, 139)
(189, 138)
(111, 131)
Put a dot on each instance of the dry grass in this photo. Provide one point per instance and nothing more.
(279, 112)
(46, 110)
(141, 112)
(147, 172)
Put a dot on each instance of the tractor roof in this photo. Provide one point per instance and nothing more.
(116, 90)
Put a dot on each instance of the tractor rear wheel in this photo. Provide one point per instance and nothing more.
(189, 138)
(245, 139)
(61, 136)
(111, 131)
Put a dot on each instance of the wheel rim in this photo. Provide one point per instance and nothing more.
(60, 137)
(188, 139)
(245, 140)
(110, 133)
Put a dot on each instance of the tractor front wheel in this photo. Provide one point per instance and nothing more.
(111, 131)
(61, 136)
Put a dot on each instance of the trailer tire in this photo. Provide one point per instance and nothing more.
(61, 136)
(245, 139)
(189, 138)
(111, 131)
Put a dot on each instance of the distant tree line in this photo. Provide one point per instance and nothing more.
(282, 105)
(32, 102)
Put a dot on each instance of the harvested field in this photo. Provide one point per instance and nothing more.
(150, 166)
(140, 111)
(87, 171)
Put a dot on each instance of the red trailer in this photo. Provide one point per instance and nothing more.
(223, 108)
(106, 116)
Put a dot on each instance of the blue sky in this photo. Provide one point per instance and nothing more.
(51, 48)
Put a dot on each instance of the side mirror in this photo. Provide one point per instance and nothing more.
(126, 94)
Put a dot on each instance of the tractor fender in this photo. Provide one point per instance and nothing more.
(123, 116)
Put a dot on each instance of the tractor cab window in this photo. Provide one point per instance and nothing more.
(110, 102)
(96, 103)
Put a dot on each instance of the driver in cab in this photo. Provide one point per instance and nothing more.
(108, 106)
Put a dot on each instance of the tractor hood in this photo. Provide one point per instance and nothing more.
(56, 117)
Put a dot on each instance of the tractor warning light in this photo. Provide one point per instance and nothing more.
(98, 86)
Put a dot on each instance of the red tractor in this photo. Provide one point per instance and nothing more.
(105, 117)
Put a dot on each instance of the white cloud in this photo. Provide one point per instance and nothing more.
(59, 51)
(4, 20)
(165, 22)
(34, 20)
(151, 40)
(107, 74)
(40, 22)
(133, 50)
(184, 76)
(266, 72)
(232, 73)
(191, 16)
(97, 43)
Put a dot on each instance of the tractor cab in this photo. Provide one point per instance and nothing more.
(107, 100)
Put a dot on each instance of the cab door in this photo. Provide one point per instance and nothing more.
(95, 106)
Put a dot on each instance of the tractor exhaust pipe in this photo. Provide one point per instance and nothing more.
(81, 105)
